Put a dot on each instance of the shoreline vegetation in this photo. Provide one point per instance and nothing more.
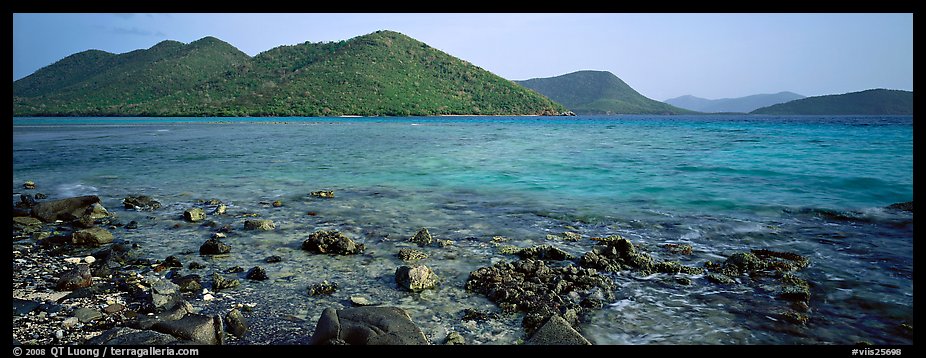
(76, 281)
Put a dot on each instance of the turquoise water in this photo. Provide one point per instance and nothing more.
(809, 184)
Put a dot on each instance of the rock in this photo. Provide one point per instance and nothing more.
(89, 259)
(219, 235)
(208, 297)
(720, 278)
(454, 338)
(114, 308)
(196, 265)
(65, 209)
(367, 326)
(544, 252)
(422, 237)
(29, 185)
(164, 294)
(25, 221)
(411, 255)
(571, 236)
(75, 278)
(235, 323)
(273, 259)
(172, 261)
(322, 288)
(220, 209)
(97, 211)
(331, 242)
(906, 206)
(23, 307)
(70, 322)
(132, 225)
(277, 203)
(93, 236)
(195, 327)
(59, 334)
(265, 225)
(470, 314)
(85, 315)
(361, 301)
(219, 282)
(327, 194)
(40, 196)
(556, 331)
(26, 201)
(444, 243)
(129, 336)
(214, 247)
(256, 273)
(681, 249)
(415, 278)
(188, 283)
(194, 215)
(235, 269)
(140, 202)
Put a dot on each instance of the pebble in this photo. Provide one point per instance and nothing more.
(361, 301)
(59, 334)
(208, 297)
(89, 259)
(72, 260)
(69, 322)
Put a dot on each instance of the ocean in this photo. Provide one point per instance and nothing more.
(814, 185)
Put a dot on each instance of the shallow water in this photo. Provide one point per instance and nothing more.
(723, 184)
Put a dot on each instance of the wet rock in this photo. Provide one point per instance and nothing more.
(219, 235)
(22, 222)
(114, 308)
(322, 288)
(140, 202)
(720, 279)
(235, 323)
(782, 261)
(509, 250)
(219, 282)
(26, 201)
(220, 209)
(615, 254)
(40, 196)
(415, 278)
(794, 317)
(411, 255)
(273, 259)
(23, 307)
(188, 283)
(680, 249)
(277, 203)
(422, 237)
(906, 206)
(367, 326)
(196, 265)
(444, 243)
(65, 209)
(470, 314)
(361, 301)
(70, 322)
(214, 247)
(794, 288)
(235, 269)
(132, 225)
(556, 331)
(194, 327)
(164, 294)
(75, 278)
(331, 242)
(28, 184)
(454, 338)
(172, 261)
(92, 236)
(256, 273)
(265, 225)
(674, 267)
(544, 252)
(85, 315)
(327, 194)
(129, 336)
(194, 215)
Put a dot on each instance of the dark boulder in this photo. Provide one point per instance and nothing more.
(367, 326)
(906, 206)
(214, 247)
(194, 215)
(422, 237)
(129, 336)
(235, 323)
(65, 209)
(140, 202)
(256, 273)
(194, 327)
(75, 278)
(415, 278)
(331, 242)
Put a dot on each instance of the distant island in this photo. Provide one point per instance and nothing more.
(380, 74)
(732, 105)
(870, 102)
(598, 92)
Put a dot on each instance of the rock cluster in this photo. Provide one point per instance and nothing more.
(331, 242)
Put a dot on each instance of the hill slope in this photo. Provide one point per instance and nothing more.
(383, 73)
(740, 104)
(869, 102)
(597, 92)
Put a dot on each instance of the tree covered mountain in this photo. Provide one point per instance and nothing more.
(383, 73)
(869, 102)
(739, 105)
(598, 92)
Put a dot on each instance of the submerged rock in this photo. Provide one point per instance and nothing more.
(906, 206)
(681, 249)
(265, 225)
(28, 184)
(214, 247)
(273, 259)
(415, 278)
(219, 282)
(367, 326)
(331, 242)
(422, 237)
(544, 252)
(322, 288)
(194, 215)
(257, 273)
(65, 209)
(411, 255)
(188, 283)
(140, 202)
(454, 338)
(235, 323)
(75, 278)
(327, 194)
(277, 203)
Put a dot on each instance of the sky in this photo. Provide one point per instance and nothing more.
(662, 56)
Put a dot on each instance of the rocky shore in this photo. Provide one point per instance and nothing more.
(76, 280)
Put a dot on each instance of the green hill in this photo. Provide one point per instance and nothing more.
(383, 73)
(598, 92)
(870, 102)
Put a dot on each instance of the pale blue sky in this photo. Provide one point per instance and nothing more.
(660, 55)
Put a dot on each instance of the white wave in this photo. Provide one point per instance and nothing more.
(75, 189)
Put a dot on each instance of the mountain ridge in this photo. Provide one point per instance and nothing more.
(743, 104)
(878, 101)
